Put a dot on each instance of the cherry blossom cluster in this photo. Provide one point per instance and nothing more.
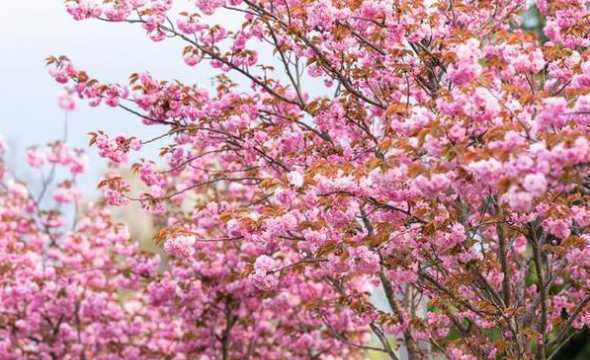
(61, 283)
(431, 151)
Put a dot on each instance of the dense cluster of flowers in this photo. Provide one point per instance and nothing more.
(60, 280)
(83, 289)
(439, 155)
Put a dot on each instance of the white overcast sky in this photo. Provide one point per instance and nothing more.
(30, 31)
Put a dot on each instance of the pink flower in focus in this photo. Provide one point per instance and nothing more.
(263, 277)
(180, 246)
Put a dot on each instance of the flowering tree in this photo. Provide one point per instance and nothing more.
(60, 279)
(430, 149)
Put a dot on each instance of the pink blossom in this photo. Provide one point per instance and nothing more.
(466, 68)
(518, 200)
(536, 184)
(557, 227)
(552, 113)
(320, 14)
(363, 260)
(263, 276)
(180, 246)
(66, 102)
(35, 158)
(65, 194)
